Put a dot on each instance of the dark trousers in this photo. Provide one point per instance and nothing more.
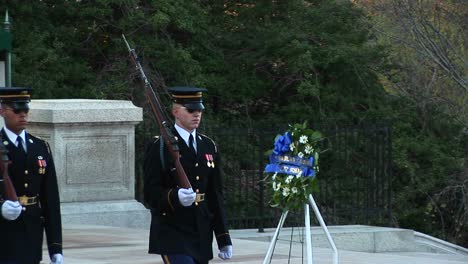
(179, 259)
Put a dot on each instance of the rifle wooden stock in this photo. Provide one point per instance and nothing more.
(158, 113)
(9, 192)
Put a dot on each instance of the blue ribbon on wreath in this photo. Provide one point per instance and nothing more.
(282, 144)
(291, 165)
(290, 169)
(280, 162)
(293, 160)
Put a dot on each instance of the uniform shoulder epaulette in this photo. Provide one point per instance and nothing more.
(212, 141)
(39, 139)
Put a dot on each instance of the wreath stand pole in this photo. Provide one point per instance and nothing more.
(274, 239)
(271, 248)
(325, 229)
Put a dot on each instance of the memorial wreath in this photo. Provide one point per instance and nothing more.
(293, 167)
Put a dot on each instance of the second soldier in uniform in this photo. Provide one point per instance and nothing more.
(184, 220)
(32, 172)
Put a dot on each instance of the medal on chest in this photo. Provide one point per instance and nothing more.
(42, 164)
(209, 160)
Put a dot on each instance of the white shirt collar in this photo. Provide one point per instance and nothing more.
(185, 135)
(12, 136)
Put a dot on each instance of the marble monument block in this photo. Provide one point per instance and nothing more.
(93, 143)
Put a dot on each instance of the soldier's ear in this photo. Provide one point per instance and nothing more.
(175, 109)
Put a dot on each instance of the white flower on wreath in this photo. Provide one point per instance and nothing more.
(289, 179)
(291, 146)
(298, 175)
(274, 176)
(294, 190)
(308, 149)
(303, 139)
(300, 155)
(276, 186)
(285, 191)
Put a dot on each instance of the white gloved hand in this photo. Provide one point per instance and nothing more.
(186, 196)
(57, 259)
(11, 210)
(225, 252)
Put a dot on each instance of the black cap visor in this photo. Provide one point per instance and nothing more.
(17, 105)
(194, 106)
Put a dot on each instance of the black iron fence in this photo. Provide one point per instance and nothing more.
(354, 178)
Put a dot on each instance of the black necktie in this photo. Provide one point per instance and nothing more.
(192, 148)
(19, 140)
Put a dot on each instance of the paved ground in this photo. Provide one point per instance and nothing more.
(111, 245)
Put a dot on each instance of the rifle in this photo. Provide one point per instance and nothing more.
(160, 117)
(9, 189)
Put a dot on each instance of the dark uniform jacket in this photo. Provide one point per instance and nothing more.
(176, 229)
(32, 175)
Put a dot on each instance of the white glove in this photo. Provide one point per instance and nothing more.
(11, 210)
(186, 196)
(57, 259)
(225, 252)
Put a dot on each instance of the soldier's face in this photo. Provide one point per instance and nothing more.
(185, 119)
(15, 120)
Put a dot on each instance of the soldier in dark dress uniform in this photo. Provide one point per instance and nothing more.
(32, 173)
(184, 220)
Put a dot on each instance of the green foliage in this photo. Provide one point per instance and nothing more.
(42, 55)
(428, 173)
(317, 55)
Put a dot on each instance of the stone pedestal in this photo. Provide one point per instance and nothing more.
(93, 144)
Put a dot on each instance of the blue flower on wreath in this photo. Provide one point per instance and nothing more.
(282, 144)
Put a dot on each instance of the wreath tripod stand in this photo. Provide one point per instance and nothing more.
(312, 203)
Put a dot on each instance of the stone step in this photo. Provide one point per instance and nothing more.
(360, 238)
